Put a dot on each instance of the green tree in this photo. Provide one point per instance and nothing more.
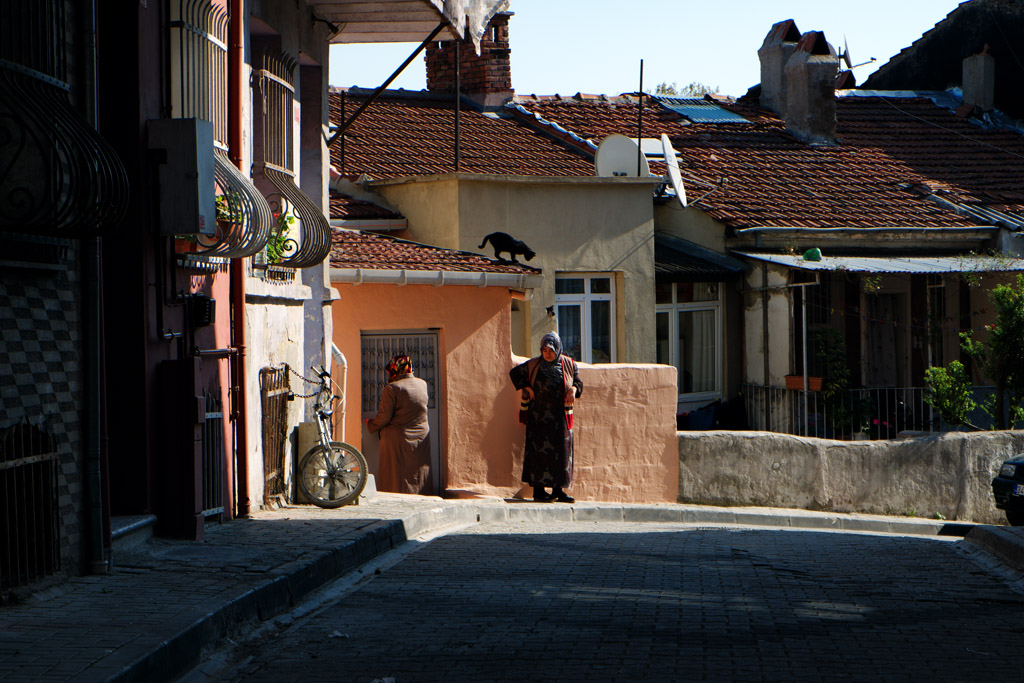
(950, 393)
(691, 90)
(1001, 356)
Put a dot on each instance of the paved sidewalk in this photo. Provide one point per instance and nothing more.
(165, 601)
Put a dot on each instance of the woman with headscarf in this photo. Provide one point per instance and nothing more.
(402, 422)
(550, 385)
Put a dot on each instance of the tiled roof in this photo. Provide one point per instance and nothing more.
(888, 147)
(347, 208)
(354, 249)
(405, 134)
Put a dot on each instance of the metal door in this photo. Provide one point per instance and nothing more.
(377, 349)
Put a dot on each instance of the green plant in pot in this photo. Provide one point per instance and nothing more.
(280, 245)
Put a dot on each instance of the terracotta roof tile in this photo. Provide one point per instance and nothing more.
(405, 134)
(355, 249)
(773, 179)
(344, 207)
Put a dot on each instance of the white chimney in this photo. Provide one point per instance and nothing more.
(811, 89)
(979, 80)
(775, 51)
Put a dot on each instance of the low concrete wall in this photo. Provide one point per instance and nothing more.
(949, 474)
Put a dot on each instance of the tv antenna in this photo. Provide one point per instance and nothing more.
(848, 60)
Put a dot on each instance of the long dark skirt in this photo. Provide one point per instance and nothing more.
(547, 458)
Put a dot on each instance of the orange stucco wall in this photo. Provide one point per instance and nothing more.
(626, 444)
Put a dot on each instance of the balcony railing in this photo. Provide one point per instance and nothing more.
(868, 413)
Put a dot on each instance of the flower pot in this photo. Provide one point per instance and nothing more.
(797, 382)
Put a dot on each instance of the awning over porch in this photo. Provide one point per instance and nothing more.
(679, 260)
(966, 263)
(408, 21)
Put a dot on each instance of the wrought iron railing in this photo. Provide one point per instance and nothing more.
(58, 175)
(29, 523)
(213, 457)
(867, 413)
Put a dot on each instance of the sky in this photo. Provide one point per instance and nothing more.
(595, 46)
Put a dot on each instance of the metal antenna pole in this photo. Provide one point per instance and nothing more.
(640, 120)
(458, 97)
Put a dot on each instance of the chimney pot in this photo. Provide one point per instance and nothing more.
(775, 51)
(979, 80)
(811, 89)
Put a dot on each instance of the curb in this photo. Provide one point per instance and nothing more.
(184, 650)
(1004, 545)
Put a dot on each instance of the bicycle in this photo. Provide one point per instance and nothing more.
(331, 473)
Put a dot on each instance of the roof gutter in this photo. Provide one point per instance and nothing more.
(437, 278)
(965, 228)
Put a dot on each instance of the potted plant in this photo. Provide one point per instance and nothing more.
(280, 245)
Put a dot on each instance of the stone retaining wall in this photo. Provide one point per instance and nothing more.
(943, 474)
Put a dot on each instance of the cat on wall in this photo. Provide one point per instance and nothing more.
(503, 242)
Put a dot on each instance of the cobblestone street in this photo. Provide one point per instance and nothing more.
(617, 601)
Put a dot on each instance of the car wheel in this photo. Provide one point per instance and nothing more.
(1015, 517)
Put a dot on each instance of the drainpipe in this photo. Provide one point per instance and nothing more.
(764, 341)
(98, 529)
(236, 86)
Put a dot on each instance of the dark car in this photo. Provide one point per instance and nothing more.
(1008, 487)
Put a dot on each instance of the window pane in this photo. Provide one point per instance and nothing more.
(664, 351)
(569, 285)
(684, 292)
(569, 328)
(696, 351)
(663, 293)
(601, 331)
(600, 285)
(705, 291)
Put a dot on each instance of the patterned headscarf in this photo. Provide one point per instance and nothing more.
(551, 339)
(399, 365)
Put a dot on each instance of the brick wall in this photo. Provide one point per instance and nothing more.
(487, 73)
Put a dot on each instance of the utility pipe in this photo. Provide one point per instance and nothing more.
(98, 525)
(236, 95)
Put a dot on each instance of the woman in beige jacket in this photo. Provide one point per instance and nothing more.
(402, 422)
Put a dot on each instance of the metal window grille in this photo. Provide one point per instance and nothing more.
(29, 522)
(199, 83)
(199, 89)
(213, 457)
(277, 99)
(60, 177)
(274, 392)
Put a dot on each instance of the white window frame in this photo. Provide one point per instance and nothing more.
(583, 301)
(672, 310)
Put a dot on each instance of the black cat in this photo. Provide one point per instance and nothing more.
(502, 241)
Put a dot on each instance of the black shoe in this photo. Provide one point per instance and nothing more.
(541, 496)
(561, 496)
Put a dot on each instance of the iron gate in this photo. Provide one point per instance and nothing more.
(274, 392)
(213, 457)
(29, 522)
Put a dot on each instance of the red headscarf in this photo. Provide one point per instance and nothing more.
(399, 365)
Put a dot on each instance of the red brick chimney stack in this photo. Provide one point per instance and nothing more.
(485, 78)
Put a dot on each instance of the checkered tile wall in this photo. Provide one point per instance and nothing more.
(40, 375)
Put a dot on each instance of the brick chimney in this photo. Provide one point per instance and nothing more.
(485, 78)
(811, 89)
(776, 50)
(979, 81)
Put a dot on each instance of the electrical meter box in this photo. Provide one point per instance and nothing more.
(183, 150)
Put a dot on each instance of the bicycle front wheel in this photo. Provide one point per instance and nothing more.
(332, 478)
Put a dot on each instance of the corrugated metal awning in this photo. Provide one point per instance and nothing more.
(966, 263)
(405, 21)
(679, 260)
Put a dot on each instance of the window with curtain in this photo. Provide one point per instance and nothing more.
(688, 331)
(585, 311)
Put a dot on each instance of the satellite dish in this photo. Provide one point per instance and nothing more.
(672, 164)
(617, 157)
(846, 55)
